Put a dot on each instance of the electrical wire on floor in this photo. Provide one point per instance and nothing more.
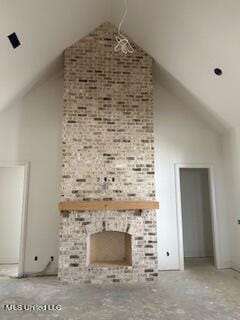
(42, 273)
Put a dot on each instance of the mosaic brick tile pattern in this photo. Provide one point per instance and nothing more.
(107, 154)
(108, 121)
(75, 230)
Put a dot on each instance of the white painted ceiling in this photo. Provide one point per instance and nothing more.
(45, 28)
(187, 39)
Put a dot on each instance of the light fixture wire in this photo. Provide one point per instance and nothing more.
(123, 43)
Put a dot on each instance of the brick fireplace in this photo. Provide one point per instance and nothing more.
(107, 248)
(108, 155)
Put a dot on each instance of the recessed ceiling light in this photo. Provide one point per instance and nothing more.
(13, 38)
(218, 71)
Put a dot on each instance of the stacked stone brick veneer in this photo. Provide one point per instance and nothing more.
(107, 154)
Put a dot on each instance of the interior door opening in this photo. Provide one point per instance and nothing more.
(12, 204)
(197, 226)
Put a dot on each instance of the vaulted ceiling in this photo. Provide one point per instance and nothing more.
(188, 39)
(45, 28)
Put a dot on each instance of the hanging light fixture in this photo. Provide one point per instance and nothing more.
(123, 43)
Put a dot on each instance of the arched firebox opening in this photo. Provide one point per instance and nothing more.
(110, 248)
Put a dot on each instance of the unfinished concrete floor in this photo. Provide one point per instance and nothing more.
(8, 270)
(200, 292)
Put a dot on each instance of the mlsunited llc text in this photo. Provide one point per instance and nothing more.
(28, 307)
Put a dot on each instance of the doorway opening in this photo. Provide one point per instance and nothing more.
(198, 240)
(13, 191)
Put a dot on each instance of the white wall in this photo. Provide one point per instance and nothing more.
(31, 131)
(11, 201)
(186, 38)
(231, 147)
(196, 213)
(181, 137)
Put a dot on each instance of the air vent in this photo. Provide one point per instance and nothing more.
(14, 40)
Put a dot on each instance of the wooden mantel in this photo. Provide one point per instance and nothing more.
(107, 205)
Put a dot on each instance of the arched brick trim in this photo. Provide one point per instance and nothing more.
(114, 225)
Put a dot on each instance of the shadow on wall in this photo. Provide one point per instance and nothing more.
(40, 78)
(169, 82)
(39, 141)
(31, 131)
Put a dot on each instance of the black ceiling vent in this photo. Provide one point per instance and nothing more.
(14, 40)
(218, 71)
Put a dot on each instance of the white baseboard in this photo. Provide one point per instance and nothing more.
(202, 254)
(9, 261)
(225, 265)
(236, 267)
